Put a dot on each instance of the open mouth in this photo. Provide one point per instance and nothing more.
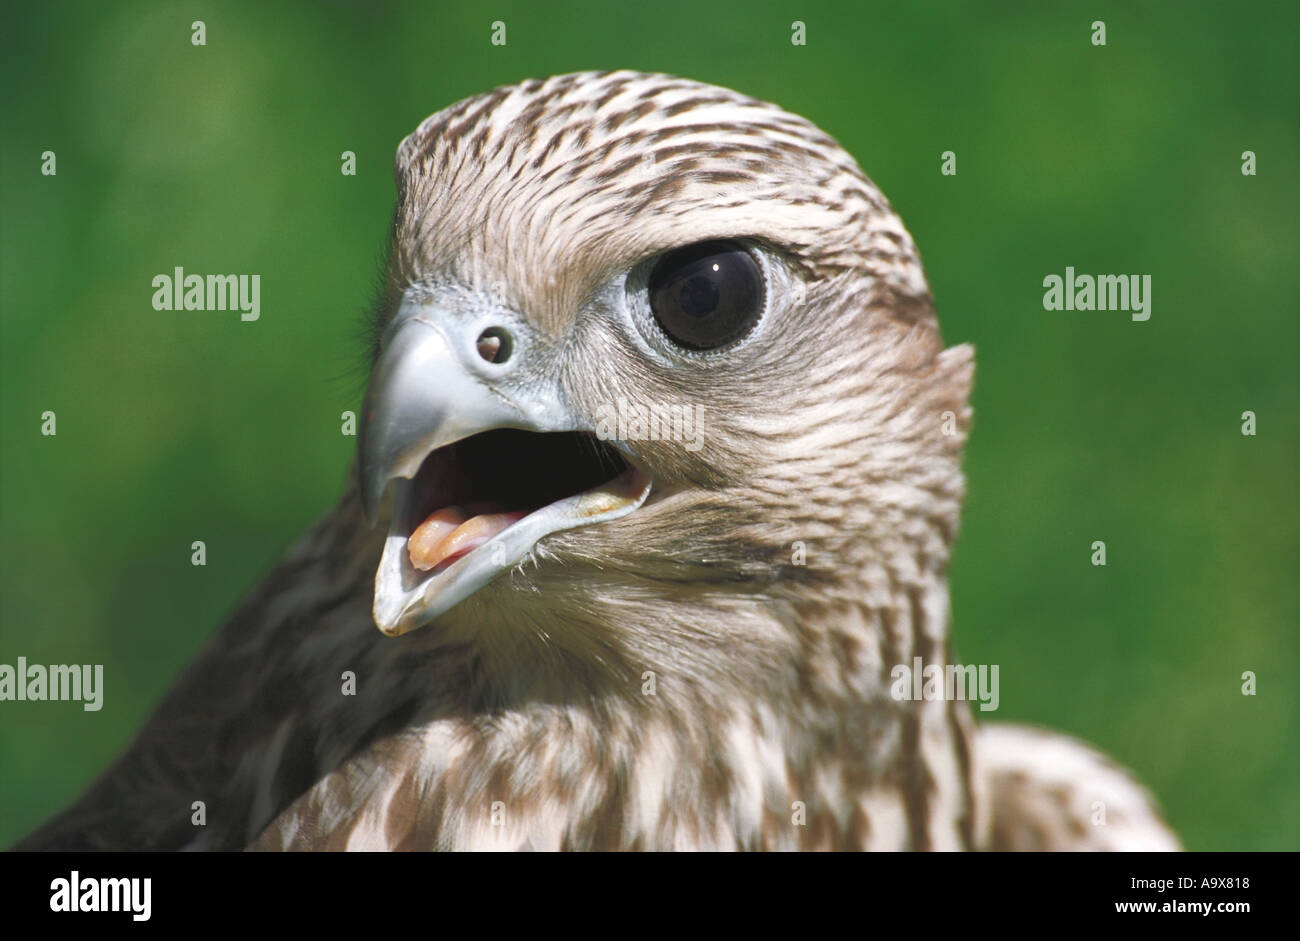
(478, 506)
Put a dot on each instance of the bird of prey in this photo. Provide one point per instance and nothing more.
(663, 447)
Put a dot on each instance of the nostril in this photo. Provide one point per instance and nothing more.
(494, 345)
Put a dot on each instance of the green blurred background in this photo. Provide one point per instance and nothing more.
(176, 426)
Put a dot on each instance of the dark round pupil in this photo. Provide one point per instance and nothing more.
(706, 295)
(699, 296)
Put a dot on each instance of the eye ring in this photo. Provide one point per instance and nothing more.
(708, 295)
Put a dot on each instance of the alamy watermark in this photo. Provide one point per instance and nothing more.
(1127, 292)
(656, 421)
(89, 894)
(181, 291)
(36, 682)
(951, 681)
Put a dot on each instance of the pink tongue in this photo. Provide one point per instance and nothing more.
(448, 534)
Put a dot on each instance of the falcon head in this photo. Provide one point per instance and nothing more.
(658, 398)
(657, 368)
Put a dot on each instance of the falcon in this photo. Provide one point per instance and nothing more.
(639, 640)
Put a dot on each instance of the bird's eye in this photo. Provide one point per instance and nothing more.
(707, 295)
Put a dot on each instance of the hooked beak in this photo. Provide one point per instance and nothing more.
(421, 397)
(484, 455)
